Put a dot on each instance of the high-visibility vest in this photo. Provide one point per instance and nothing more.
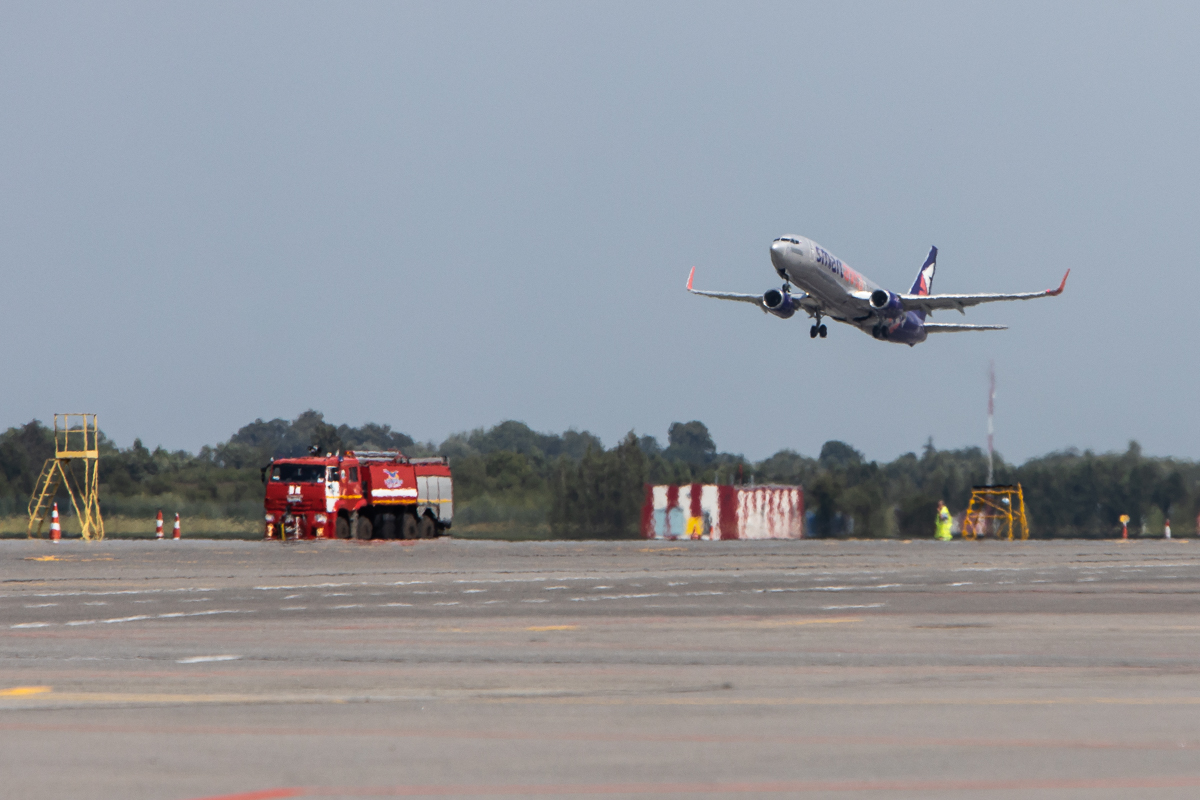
(943, 522)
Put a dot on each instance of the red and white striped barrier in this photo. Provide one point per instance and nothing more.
(55, 528)
(176, 534)
(698, 511)
(158, 531)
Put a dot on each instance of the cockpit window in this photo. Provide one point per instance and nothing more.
(298, 473)
(787, 239)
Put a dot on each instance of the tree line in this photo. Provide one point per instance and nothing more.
(512, 475)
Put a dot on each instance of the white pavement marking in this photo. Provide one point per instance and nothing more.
(203, 659)
(305, 586)
(839, 608)
(121, 591)
(31, 625)
(171, 615)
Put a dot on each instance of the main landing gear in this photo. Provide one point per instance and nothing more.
(818, 329)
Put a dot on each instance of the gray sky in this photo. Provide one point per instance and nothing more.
(441, 216)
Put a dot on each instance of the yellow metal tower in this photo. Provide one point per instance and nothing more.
(76, 438)
(996, 510)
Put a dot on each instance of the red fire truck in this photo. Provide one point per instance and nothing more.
(359, 494)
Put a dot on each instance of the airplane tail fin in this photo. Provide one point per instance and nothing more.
(923, 285)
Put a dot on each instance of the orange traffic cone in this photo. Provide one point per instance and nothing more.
(176, 536)
(55, 528)
(158, 532)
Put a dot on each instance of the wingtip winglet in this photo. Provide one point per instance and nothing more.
(691, 275)
(1061, 286)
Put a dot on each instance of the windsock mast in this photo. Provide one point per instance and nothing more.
(991, 409)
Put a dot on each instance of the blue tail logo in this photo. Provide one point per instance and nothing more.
(924, 283)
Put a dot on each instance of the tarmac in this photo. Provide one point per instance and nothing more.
(467, 669)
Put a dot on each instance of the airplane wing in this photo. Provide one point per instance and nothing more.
(804, 301)
(932, 302)
(936, 327)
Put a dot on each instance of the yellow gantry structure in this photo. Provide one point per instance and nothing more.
(996, 511)
(76, 439)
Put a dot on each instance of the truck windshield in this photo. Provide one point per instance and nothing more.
(298, 473)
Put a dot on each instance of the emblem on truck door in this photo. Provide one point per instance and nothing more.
(392, 479)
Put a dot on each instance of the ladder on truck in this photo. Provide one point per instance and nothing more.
(76, 438)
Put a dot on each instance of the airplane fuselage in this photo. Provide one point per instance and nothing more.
(841, 290)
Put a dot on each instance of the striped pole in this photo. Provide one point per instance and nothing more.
(176, 535)
(55, 528)
(158, 530)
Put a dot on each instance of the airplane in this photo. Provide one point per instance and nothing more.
(832, 289)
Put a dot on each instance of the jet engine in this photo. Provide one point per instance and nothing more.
(886, 304)
(781, 304)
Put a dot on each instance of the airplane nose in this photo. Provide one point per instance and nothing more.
(778, 251)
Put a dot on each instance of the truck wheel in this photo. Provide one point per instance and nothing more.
(342, 528)
(364, 529)
(426, 529)
(408, 526)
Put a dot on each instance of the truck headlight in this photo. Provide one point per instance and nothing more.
(270, 517)
(320, 518)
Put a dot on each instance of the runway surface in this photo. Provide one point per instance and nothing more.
(194, 669)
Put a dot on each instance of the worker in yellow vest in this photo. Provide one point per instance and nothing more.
(942, 532)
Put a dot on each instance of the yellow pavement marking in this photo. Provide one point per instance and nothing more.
(553, 628)
(42, 558)
(69, 699)
(24, 691)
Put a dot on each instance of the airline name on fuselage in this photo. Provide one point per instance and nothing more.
(829, 260)
(838, 268)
